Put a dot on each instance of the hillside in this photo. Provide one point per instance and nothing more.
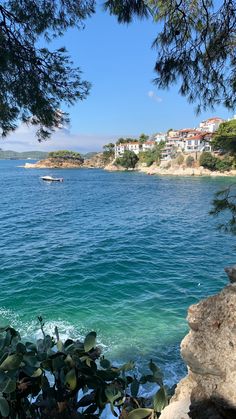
(14, 155)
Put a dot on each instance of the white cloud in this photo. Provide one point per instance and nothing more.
(153, 95)
(24, 139)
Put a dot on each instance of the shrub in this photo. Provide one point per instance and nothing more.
(223, 165)
(65, 155)
(189, 161)
(180, 159)
(208, 161)
(128, 160)
(147, 157)
(28, 392)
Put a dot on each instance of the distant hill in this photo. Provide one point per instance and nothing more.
(89, 155)
(14, 155)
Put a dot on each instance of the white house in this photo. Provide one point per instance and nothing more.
(197, 143)
(160, 136)
(135, 146)
(122, 147)
(176, 142)
(148, 145)
(211, 124)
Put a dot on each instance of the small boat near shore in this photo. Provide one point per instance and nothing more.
(52, 179)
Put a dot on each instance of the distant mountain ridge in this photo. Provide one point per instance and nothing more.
(24, 155)
(34, 155)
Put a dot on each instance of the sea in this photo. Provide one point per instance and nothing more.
(120, 253)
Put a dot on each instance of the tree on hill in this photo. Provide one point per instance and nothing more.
(66, 155)
(225, 138)
(128, 160)
(143, 138)
(159, 147)
(126, 140)
(108, 151)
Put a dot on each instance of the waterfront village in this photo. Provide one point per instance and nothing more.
(178, 152)
(186, 140)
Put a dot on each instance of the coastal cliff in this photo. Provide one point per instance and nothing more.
(171, 169)
(168, 168)
(62, 163)
(208, 391)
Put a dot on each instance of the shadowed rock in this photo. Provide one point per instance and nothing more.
(209, 350)
(231, 272)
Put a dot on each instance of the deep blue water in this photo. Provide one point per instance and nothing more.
(124, 254)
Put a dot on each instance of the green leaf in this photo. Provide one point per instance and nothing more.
(59, 346)
(37, 373)
(112, 393)
(107, 375)
(31, 346)
(157, 373)
(90, 341)
(12, 362)
(105, 363)
(8, 386)
(4, 407)
(134, 387)
(128, 366)
(58, 362)
(140, 413)
(143, 379)
(160, 400)
(71, 380)
(31, 360)
(20, 348)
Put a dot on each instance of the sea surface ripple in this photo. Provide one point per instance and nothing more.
(124, 254)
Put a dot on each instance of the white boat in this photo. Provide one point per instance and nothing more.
(52, 179)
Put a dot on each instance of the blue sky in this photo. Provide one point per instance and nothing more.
(118, 60)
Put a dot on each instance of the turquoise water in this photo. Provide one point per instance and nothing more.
(124, 254)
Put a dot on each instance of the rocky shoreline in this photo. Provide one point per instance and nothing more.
(208, 391)
(174, 170)
(97, 162)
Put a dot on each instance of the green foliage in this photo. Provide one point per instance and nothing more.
(34, 81)
(159, 147)
(143, 138)
(180, 159)
(223, 165)
(15, 155)
(225, 203)
(108, 152)
(152, 156)
(147, 157)
(66, 155)
(128, 160)
(189, 161)
(211, 162)
(194, 44)
(126, 140)
(208, 161)
(41, 380)
(225, 138)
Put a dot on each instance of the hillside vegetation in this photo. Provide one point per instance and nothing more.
(14, 155)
